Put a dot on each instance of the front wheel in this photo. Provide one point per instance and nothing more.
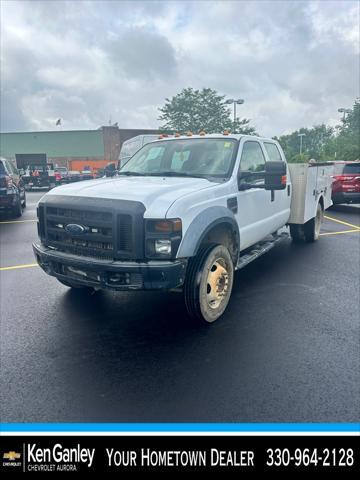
(209, 282)
(24, 200)
(17, 210)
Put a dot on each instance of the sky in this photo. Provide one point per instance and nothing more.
(91, 63)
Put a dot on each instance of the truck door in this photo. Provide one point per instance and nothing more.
(259, 211)
(280, 199)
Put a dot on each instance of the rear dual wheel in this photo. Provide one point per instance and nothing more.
(209, 282)
(313, 226)
(310, 231)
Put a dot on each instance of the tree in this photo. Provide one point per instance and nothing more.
(347, 143)
(300, 158)
(196, 110)
(324, 143)
(315, 144)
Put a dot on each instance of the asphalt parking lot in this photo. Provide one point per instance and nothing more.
(286, 350)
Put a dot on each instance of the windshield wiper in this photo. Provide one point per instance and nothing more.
(128, 173)
(174, 174)
(169, 173)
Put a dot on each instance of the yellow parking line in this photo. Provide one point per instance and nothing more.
(19, 266)
(357, 230)
(340, 221)
(19, 221)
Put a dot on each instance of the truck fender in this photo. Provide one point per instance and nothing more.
(201, 225)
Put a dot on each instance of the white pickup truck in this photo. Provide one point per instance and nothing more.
(183, 213)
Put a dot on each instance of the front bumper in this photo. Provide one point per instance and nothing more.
(8, 201)
(108, 274)
(344, 197)
(39, 182)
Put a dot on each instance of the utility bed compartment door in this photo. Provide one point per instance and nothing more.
(309, 182)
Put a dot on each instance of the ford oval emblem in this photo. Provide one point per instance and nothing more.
(75, 229)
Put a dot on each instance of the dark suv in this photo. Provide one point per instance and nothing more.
(346, 186)
(12, 190)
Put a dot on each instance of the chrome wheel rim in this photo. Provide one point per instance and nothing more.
(217, 283)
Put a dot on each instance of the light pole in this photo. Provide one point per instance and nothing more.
(235, 102)
(344, 111)
(301, 135)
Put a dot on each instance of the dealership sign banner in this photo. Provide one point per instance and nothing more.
(169, 453)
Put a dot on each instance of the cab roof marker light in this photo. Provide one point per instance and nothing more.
(189, 134)
(202, 133)
(226, 132)
(177, 134)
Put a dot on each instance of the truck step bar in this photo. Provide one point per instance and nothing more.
(260, 248)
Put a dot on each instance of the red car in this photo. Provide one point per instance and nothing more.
(346, 186)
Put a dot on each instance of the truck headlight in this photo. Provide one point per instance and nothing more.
(163, 247)
(162, 238)
(165, 226)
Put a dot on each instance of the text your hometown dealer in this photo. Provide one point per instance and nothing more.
(59, 454)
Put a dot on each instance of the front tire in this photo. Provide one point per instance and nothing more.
(17, 211)
(208, 284)
(24, 200)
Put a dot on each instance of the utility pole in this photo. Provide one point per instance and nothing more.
(235, 102)
(344, 111)
(301, 135)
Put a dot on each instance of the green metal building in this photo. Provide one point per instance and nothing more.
(62, 147)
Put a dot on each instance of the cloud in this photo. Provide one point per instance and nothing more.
(142, 54)
(294, 63)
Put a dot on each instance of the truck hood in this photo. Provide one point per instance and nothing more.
(157, 194)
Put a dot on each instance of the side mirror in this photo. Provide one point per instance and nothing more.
(275, 175)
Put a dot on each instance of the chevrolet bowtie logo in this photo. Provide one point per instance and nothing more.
(11, 456)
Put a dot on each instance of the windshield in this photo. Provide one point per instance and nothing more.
(191, 157)
(352, 168)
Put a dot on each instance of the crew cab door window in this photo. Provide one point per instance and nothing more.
(252, 162)
(273, 152)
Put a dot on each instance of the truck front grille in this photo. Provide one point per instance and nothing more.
(125, 233)
(113, 229)
(97, 241)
